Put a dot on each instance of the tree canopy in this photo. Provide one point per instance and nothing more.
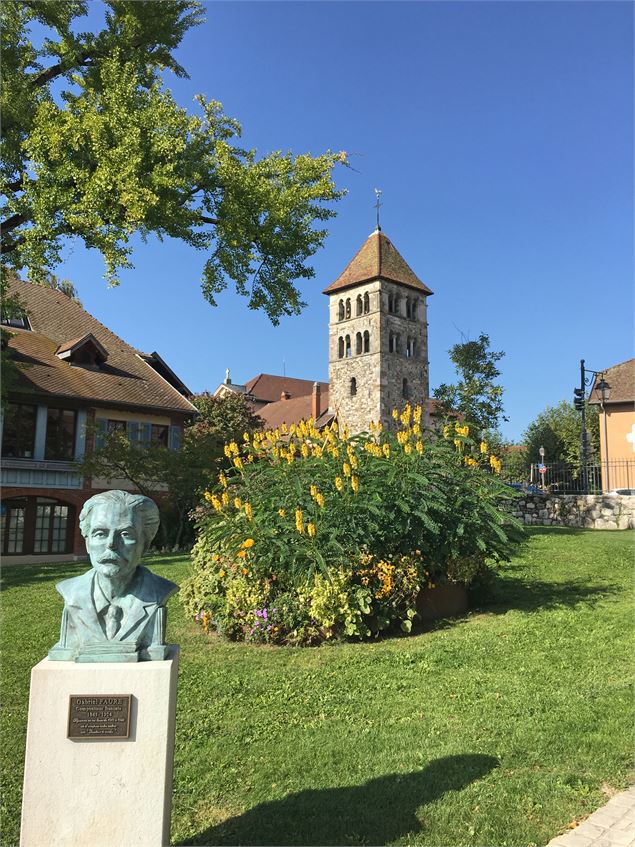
(559, 430)
(95, 147)
(476, 394)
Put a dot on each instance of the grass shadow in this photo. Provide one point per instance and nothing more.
(377, 812)
(530, 595)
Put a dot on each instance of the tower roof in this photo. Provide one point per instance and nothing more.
(377, 257)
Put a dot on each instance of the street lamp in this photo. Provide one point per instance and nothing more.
(603, 392)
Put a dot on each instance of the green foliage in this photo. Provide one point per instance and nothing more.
(111, 154)
(559, 429)
(223, 419)
(476, 394)
(353, 528)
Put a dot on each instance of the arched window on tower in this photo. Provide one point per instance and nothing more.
(358, 344)
(413, 308)
(366, 303)
(366, 341)
(405, 389)
(353, 387)
(408, 308)
(391, 342)
(397, 343)
(347, 347)
(359, 305)
(391, 303)
(397, 304)
(410, 347)
(340, 347)
(341, 311)
(348, 307)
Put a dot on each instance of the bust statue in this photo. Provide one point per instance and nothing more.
(116, 611)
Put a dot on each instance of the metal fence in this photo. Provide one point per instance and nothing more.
(562, 478)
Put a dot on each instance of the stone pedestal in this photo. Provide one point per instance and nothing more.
(100, 792)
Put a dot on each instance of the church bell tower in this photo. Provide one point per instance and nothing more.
(378, 337)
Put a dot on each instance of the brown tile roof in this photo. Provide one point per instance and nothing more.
(621, 378)
(377, 257)
(125, 380)
(269, 387)
(294, 410)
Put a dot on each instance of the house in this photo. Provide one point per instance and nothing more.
(617, 424)
(77, 380)
(378, 349)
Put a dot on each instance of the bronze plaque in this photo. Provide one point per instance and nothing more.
(99, 716)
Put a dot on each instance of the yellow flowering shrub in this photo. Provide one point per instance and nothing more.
(315, 534)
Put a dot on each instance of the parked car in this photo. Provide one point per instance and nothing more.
(527, 488)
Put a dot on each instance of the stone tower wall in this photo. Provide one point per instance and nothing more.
(379, 374)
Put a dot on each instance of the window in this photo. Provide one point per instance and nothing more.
(366, 303)
(397, 305)
(340, 348)
(18, 437)
(348, 347)
(19, 320)
(341, 310)
(405, 389)
(408, 308)
(353, 387)
(51, 528)
(60, 434)
(12, 525)
(360, 304)
(159, 434)
(391, 303)
(358, 344)
(413, 309)
(116, 426)
(410, 347)
(391, 342)
(366, 341)
(348, 307)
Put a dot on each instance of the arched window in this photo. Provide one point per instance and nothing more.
(366, 341)
(408, 308)
(413, 347)
(397, 343)
(366, 303)
(358, 344)
(397, 304)
(405, 389)
(347, 347)
(340, 347)
(353, 387)
(391, 303)
(348, 307)
(341, 311)
(413, 309)
(359, 305)
(391, 342)
(410, 347)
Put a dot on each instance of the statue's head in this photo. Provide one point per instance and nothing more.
(118, 528)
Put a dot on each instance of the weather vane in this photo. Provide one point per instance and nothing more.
(378, 204)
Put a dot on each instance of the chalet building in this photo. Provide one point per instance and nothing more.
(378, 349)
(77, 380)
(617, 424)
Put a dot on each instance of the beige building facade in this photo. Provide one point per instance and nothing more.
(617, 426)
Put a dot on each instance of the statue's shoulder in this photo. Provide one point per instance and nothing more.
(76, 586)
(157, 586)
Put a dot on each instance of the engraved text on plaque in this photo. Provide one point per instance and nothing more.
(99, 716)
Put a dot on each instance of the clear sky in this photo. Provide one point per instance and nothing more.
(501, 135)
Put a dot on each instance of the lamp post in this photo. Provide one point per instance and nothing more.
(603, 392)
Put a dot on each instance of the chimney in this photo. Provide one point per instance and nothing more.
(316, 410)
(284, 395)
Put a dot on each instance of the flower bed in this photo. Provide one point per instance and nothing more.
(316, 535)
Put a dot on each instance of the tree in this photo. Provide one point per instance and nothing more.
(476, 394)
(96, 148)
(559, 430)
(181, 476)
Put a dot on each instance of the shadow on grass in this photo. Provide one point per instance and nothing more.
(377, 812)
(530, 595)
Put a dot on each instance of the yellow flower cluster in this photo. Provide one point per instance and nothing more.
(299, 521)
(470, 462)
(461, 430)
(495, 464)
(384, 571)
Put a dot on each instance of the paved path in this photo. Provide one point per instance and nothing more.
(611, 826)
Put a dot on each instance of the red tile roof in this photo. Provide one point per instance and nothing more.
(377, 258)
(294, 410)
(621, 378)
(124, 380)
(269, 387)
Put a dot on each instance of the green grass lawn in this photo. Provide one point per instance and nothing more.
(497, 729)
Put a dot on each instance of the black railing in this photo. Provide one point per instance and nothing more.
(563, 478)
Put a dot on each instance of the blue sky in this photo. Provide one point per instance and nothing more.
(501, 135)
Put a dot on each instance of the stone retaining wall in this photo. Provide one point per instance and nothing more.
(597, 511)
